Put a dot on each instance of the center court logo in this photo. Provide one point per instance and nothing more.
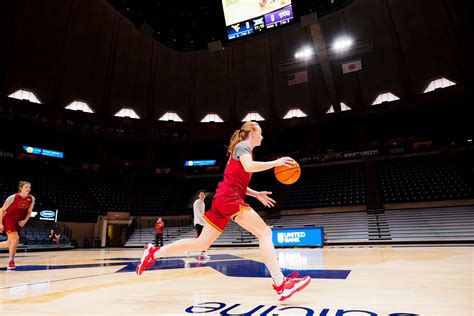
(290, 237)
(264, 310)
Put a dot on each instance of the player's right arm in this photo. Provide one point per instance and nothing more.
(243, 153)
(6, 205)
(256, 166)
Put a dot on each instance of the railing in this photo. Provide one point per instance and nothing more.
(131, 228)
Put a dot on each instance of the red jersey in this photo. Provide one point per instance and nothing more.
(236, 180)
(19, 207)
(16, 212)
(159, 227)
(230, 194)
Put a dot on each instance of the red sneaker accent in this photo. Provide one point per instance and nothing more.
(148, 259)
(11, 265)
(291, 284)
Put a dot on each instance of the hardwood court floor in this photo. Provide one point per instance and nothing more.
(380, 280)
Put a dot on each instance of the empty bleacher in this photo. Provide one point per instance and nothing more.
(433, 224)
(421, 178)
(58, 192)
(409, 225)
(338, 227)
(233, 235)
(9, 186)
(141, 236)
(53, 192)
(35, 235)
(109, 192)
(151, 194)
(328, 186)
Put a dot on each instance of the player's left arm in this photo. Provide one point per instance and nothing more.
(28, 215)
(262, 196)
(251, 192)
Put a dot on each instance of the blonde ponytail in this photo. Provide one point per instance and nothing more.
(241, 134)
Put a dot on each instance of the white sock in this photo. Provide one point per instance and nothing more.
(278, 278)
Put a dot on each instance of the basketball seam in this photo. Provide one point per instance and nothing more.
(289, 169)
(291, 176)
(297, 175)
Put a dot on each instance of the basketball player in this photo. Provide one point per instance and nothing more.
(228, 204)
(14, 215)
(159, 229)
(198, 210)
(54, 237)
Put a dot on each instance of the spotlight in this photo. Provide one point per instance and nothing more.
(342, 44)
(304, 53)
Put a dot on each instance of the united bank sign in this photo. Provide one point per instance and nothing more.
(298, 237)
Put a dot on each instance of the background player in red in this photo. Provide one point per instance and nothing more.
(228, 204)
(14, 215)
(159, 229)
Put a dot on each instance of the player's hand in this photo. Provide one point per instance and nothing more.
(264, 198)
(22, 223)
(1, 228)
(285, 161)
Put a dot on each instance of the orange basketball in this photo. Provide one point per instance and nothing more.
(288, 175)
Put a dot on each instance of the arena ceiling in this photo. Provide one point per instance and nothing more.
(106, 56)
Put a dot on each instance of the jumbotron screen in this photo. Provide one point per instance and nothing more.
(246, 17)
